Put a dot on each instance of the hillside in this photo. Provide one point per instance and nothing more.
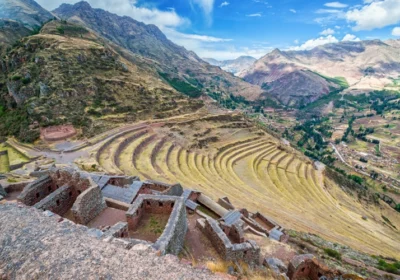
(182, 69)
(66, 74)
(10, 32)
(365, 65)
(235, 66)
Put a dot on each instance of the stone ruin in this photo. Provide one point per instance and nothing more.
(227, 234)
(58, 133)
(308, 267)
(64, 190)
(172, 239)
(81, 197)
(85, 196)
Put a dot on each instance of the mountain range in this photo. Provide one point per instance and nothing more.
(235, 66)
(300, 77)
(115, 68)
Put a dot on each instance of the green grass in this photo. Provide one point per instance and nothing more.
(389, 267)
(341, 81)
(333, 253)
(182, 86)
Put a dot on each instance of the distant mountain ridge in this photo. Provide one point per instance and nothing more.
(181, 68)
(296, 77)
(235, 66)
(28, 12)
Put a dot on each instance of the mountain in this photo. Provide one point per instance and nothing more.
(235, 66)
(69, 74)
(182, 69)
(10, 32)
(300, 77)
(28, 12)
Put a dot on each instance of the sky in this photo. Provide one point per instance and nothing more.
(227, 29)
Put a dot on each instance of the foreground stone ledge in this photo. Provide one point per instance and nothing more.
(36, 245)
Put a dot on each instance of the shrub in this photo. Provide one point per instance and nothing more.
(389, 267)
(16, 78)
(60, 30)
(26, 81)
(333, 253)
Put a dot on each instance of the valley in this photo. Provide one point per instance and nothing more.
(297, 150)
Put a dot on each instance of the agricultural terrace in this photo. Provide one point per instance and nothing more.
(224, 155)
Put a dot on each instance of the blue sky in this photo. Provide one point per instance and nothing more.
(226, 29)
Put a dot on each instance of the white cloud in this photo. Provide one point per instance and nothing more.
(328, 31)
(328, 11)
(223, 4)
(351, 37)
(396, 31)
(207, 6)
(254, 15)
(293, 11)
(375, 14)
(178, 36)
(337, 27)
(337, 5)
(231, 52)
(310, 44)
(126, 8)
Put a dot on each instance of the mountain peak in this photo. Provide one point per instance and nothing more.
(276, 51)
(83, 5)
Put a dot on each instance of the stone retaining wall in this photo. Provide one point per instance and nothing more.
(59, 202)
(247, 251)
(172, 239)
(88, 205)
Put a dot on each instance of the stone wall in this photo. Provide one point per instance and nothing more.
(308, 267)
(247, 251)
(36, 191)
(156, 186)
(79, 180)
(172, 239)
(59, 201)
(270, 223)
(88, 205)
(119, 230)
(175, 190)
(226, 204)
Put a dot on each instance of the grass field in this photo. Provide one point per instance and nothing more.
(249, 167)
(14, 157)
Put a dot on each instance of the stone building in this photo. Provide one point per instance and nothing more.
(64, 190)
(173, 236)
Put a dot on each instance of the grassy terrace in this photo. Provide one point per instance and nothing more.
(253, 172)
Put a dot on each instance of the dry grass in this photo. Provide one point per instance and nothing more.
(255, 174)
